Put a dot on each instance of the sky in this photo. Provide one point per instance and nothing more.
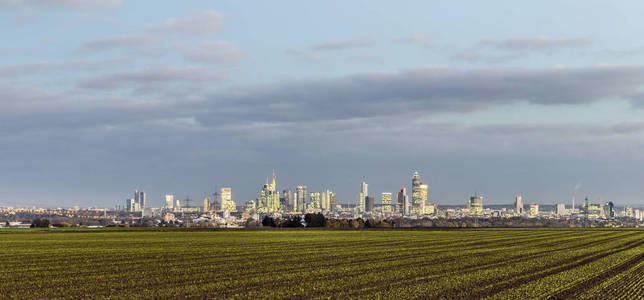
(499, 98)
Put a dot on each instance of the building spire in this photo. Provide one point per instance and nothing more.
(273, 178)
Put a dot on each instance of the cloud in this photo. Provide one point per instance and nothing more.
(537, 43)
(341, 45)
(34, 68)
(153, 79)
(430, 91)
(419, 38)
(76, 4)
(478, 57)
(213, 51)
(129, 41)
(324, 124)
(197, 23)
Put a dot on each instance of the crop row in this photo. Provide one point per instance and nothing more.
(311, 264)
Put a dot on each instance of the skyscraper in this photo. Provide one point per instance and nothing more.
(326, 200)
(250, 206)
(610, 210)
(386, 202)
(286, 200)
(269, 199)
(139, 198)
(206, 204)
(300, 199)
(424, 197)
(518, 205)
(315, 200)
(402, 202)
(131, 205)
(561, 209)
(227, 204)
(475, 205)
(418, 195)
(332, 201)
(364, 192)
(169, 201)
(368, 203)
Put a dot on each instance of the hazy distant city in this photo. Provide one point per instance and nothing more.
(407, 207)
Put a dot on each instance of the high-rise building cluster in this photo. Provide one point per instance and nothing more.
(418, 206)
(419, 196)
(136, 204)
(301, 201)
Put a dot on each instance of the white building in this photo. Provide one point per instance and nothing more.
(169, 201)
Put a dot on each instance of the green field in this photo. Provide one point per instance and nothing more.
(501, 263)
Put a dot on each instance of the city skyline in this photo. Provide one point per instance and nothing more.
(270, 200)
(98, 98)
(224, 195)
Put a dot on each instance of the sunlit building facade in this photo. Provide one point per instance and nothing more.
(418, 195)
(364, 192)
(314, 204)
(206, 204)
(300, 199)
(386, 202)
(169, 201)
(475, 205)
(534, 209)
(227, 204)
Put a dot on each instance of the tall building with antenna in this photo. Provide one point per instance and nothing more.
(269, 198)
(364, 193)
(418, 195)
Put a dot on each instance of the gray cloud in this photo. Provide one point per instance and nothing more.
(201, 22)
(129, 41)
(332, 125)
(154, 79)
(411, 93)
(537, 43)
(341, 45)
(34, 68)
(430, 91)
(213, 51)
(478, 57)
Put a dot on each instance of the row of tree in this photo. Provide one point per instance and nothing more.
(310, 220)
(318, 220)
